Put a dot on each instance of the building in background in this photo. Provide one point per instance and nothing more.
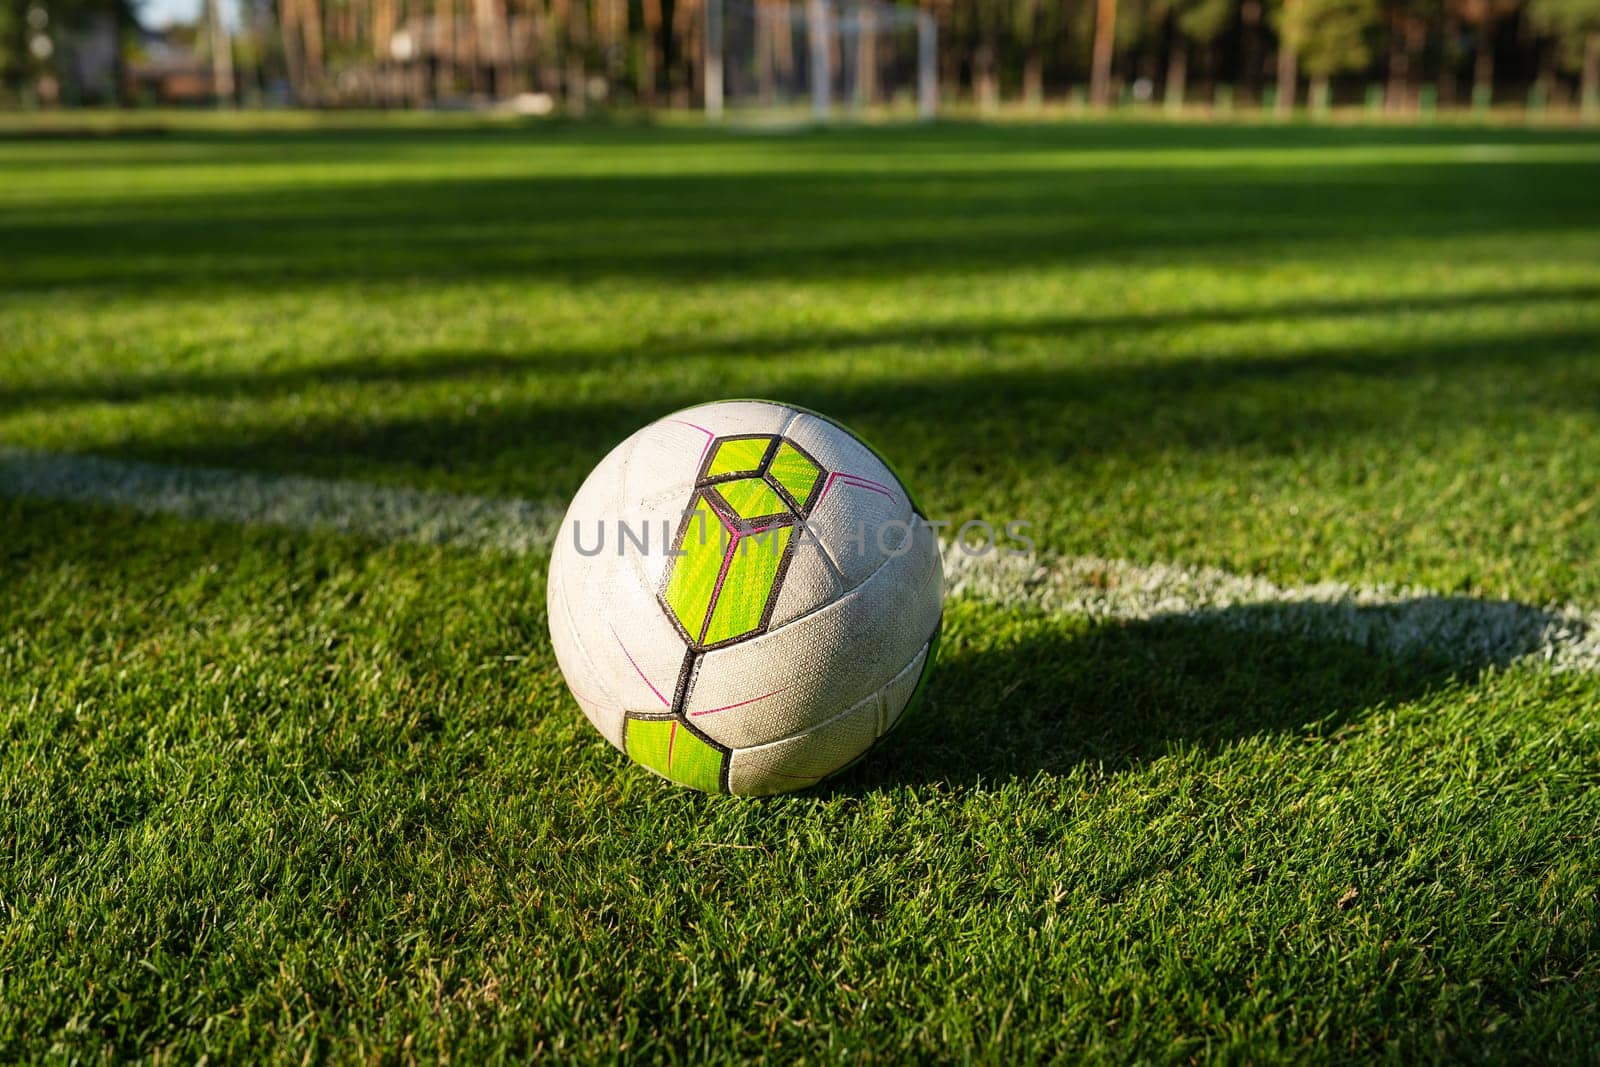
(169, 69)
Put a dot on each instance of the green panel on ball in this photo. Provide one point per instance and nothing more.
(672, 750)
(752, 498)
(753, 563)
(739, 455)
(797, 474)
(704, 545)
(722, 582)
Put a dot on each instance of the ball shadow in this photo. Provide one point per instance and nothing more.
(1019, 694)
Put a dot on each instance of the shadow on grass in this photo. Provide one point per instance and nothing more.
(809, 226)
(1050, 694)
(1034, 417)
(953, 200)
(546, 363)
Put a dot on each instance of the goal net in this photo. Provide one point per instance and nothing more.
(823, 59)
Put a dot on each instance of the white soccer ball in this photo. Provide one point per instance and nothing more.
(744, 598)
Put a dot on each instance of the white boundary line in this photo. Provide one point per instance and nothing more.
(383, 513)
(1466, 631)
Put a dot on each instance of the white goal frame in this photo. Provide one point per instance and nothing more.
(823, 26)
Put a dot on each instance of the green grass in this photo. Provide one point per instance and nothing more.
(277, 793)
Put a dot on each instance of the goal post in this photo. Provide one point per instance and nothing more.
(822, 60)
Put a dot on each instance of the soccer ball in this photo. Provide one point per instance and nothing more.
(744, 598)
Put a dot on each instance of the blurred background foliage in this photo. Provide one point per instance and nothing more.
(575, 56)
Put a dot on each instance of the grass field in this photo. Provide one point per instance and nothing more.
(280, 790)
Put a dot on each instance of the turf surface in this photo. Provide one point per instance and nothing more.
(272, 792)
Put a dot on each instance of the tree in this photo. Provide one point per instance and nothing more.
(1034, 23)
(35, 39)
(1250, 48)
(1483, 16)
(1576, 25)
(13, 45)
(989, 17)
(1138, 39)
(301, 24)
(1194, 22)
(1408, 35)
(1323, 37)
(1334, 39)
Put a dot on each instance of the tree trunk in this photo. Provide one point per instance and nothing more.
(1250, 48)
(577, 71)
(122, 19)
(686, 29)
(491, 46)
(1399, 88)
(866, 57)
(1321, 95)
(1288, 57)
(985, 82)
(221, 54)
(782, 41)
(548, 48)
(1033, 79)
(576, 86)
(1033, 60)
(1591, 77)
(1447, 66)
(1416, 42)
(615, 41)
(444, 45)
(766, 47)
(293, 57)
(1483, 61)
(948, 57)
(650, 55)
(1105, 38)
(382, 43)
(310, 23)
(1177, 74)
